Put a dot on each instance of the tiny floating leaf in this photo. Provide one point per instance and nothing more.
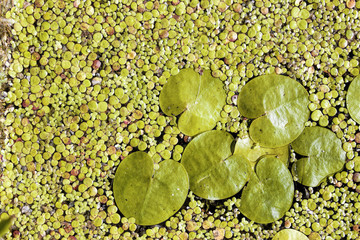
(214, 172)
(353, 99)
(324, 155)
(148, 194)
(199, 100)
(279, 106)
(269, 193)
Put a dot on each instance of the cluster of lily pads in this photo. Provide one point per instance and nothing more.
(216, 166)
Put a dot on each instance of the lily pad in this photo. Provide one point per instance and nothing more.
(252, 151)
(199, 100)
(353, 99)
(214, 172)
(269, 193)
(324, 155)
(150, 196)
(290, 234)
(279, 106)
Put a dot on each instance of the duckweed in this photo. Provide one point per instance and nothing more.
(81, 82)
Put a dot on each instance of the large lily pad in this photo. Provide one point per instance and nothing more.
(149, 195)
(269, 193)
(214, 172)
(199, 100)
(279, 106)
(324, 155)
(353, 99)
(290, 234)
(252, 151)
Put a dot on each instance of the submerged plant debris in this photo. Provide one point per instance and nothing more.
(81, 92)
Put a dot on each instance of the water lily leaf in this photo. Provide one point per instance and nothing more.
(214, 172)
(199, 99)
(5, 225)
(324, 155)
(353, 99)
(149, 195)
(290, 234)
(252, 151)
(279, 106)
(269, 193)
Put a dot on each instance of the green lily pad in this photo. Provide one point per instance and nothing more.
(252, 151)
(5, 225)
(269, 193)
(353, 99)
(214, 172)
(290, 234)
(150, 196)
(199, 100)
(324, 155)
(279, 106)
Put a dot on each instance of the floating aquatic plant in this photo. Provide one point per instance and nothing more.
(323, 155)
(214, 171)
(198, 98)
(353, 99)
(134, 46)
(218, 167)
(269, 193)
(253, 151)
(279, 106)
(5, 225)
(150, 194)
(290, 234)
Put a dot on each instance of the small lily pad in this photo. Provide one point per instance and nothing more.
(199, 100)
(279, 106)
(324, 155)
(214, 172)
(353, 99)
(290, 234)
(252, 151)
(269, 193)
(150, 196)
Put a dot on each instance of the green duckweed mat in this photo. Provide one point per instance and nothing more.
(81, 82)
